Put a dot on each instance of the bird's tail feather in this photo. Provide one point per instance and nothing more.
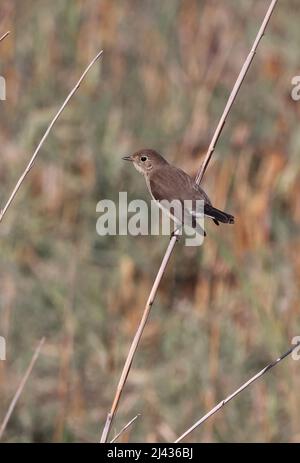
(218, 215)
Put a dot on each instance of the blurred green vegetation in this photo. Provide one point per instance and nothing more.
(223, 310)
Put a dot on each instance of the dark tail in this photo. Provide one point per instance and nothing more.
(217, 215)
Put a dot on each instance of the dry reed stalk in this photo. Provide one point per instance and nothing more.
(124, 428)
(56, 116)
(234, 92)
(136, 340)
(4, 35)
(235, 393)
(21, 387)
(173, 240)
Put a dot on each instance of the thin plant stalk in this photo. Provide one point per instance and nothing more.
(136, 341)
(21, 387)
(4, 35)
(235, 393)
(56, 116)
(234, 92)
(124, 429)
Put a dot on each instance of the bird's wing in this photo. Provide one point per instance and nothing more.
(169, 184)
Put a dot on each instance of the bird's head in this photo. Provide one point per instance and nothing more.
(146, 160)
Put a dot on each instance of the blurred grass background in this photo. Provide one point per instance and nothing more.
(223, 310)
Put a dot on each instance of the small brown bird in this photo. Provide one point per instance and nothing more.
(166, 182)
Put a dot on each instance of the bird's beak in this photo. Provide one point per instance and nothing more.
(127, 158)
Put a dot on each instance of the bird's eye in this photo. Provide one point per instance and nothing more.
(143, 158)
